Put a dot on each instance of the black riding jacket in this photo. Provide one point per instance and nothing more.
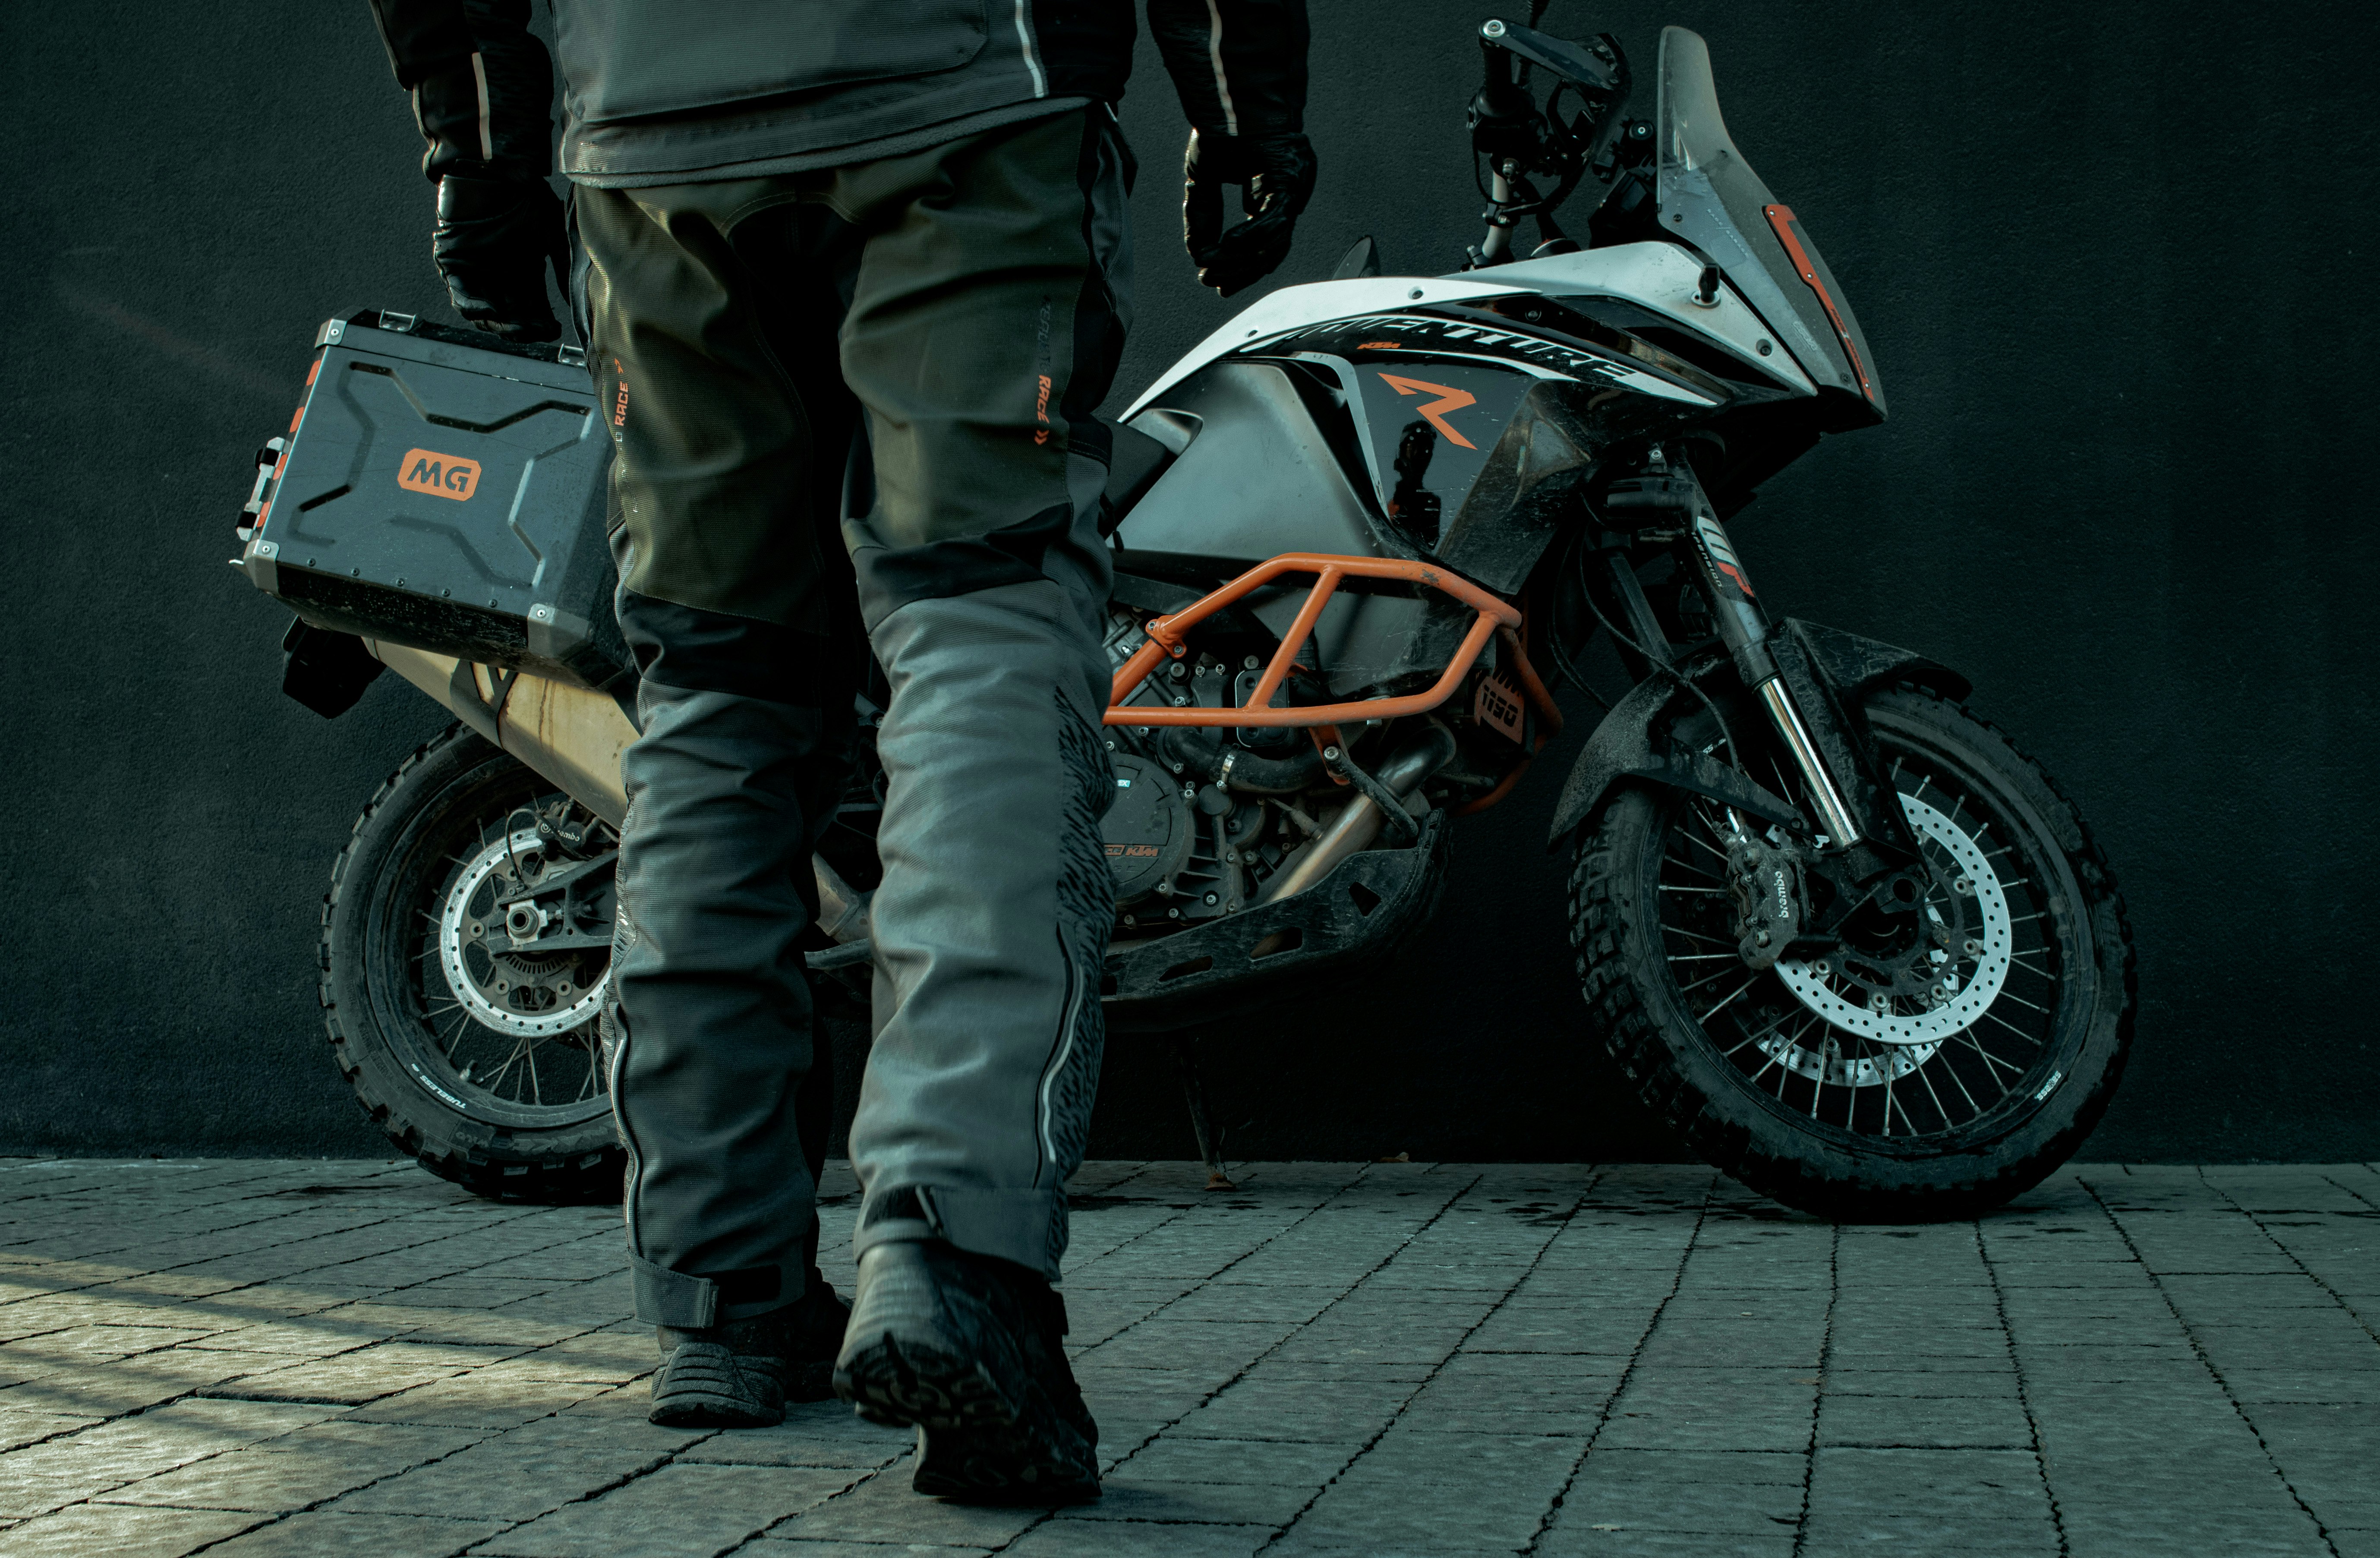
(668, 93)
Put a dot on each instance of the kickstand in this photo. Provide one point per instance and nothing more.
(1185, 1059)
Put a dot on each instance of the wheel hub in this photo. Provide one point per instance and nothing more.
(492, 966)
(1922, 996)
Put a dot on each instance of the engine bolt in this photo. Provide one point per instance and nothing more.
(1330, 754)
(1250, 663)
(1212, 898)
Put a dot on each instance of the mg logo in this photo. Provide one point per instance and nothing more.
(442, 476)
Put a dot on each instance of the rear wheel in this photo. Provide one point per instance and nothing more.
(1841, 1083)
(462, 1010)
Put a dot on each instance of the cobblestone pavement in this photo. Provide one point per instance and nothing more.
(268, 1357)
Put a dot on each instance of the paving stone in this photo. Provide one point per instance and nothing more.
(1181, 1458)
(47, 1477)
(330, 1534)
(1572, 1539)
(770, 1547)
(296, 1469)
(1068, 1535)
(884, 1509)
(1966, 1421)
(127, 1386)
(1315, 1411)
(676, 1512)
(496, 1397)
(1712, 1409)
(1394, 1370)
(523, 1474)
(819, 1433)
(121, 1531)
(18, 1429)
(366, 1374)
(1660, 1500)
(603, 1357)
(1421, 1486)
(1131, 1495)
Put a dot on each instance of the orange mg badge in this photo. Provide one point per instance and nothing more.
(442, 476)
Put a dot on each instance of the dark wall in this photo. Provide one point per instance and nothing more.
(2108, 259)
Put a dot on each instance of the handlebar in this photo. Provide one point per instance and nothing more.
(1519, 139)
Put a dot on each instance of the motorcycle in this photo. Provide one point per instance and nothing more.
(1851, 944)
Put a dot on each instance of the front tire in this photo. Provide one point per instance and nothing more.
(479, 1060)
(1843, 1099)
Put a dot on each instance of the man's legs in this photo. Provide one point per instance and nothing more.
(985, 324)
(729, 427)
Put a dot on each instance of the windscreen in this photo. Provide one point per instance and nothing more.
(1710, 198)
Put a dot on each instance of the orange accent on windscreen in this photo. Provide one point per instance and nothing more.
(441, 476)
(1782, 221)
(1450, 399)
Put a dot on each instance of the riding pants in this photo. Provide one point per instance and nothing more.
(858, 401)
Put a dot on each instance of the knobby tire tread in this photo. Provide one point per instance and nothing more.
(1601, 930)
(578, 1178)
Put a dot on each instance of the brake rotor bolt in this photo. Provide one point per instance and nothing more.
(1975, 948)
(1964, 886)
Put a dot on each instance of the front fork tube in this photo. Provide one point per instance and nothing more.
(1743, 628)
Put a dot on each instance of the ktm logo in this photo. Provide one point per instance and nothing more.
(443, 476)
(1450, 399)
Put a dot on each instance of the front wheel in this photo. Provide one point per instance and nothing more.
(466, 946)
(1823, 1081)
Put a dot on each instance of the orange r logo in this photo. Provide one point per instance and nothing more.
(1450, 399)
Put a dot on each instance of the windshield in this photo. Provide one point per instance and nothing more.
(1710, 198)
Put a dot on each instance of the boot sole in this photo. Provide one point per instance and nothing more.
(978, 1445)
(918, 1387)
(701, 1393)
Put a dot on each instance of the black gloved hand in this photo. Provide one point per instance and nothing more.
(1276, 173)
(495, 237)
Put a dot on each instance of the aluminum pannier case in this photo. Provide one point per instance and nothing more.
(443, 489)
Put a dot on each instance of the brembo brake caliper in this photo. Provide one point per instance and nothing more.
(1764, 878)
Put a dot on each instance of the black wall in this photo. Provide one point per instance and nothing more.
(2109, 259)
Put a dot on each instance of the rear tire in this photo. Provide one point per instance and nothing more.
(473, 1089)
(1755, 1092)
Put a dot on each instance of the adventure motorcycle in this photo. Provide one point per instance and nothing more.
(1849, 941)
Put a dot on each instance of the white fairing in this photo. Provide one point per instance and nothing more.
(1658, 276)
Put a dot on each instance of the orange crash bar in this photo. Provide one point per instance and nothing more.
(1166, 634)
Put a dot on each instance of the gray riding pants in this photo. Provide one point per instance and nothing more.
(858, 401)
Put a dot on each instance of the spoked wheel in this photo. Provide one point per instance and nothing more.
(1955, 1047)
(466, 946)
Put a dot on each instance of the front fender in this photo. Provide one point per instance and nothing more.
(1624, 747)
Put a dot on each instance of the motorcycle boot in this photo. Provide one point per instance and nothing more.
(968, 1349)
(745, 1373)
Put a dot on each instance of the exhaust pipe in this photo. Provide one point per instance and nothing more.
(1360, 823)
(573, 736)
